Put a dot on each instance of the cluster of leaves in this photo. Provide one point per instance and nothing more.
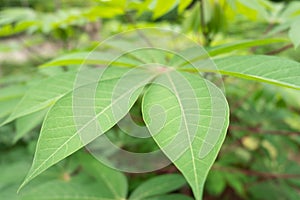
(245, 161)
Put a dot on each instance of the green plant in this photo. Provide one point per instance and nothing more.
(146, 89)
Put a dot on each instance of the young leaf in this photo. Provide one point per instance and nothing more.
(157, 186)
(191, 137)
(84, 114)
(269, 69)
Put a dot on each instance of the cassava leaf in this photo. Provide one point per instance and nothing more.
(86, 113)
(79, 187)
(221, 49)
(86, 58)
(157, 186)
(188, 118)
(43, 95)
(269, 69)
(28, 122)
(48, 91)
(115, 182)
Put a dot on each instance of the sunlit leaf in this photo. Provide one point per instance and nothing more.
(183, 4)
(162, 7)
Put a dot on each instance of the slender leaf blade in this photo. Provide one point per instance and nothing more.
(269, 69)
(87, 58)
(230, 47)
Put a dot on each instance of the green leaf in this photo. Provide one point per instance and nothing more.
(188, 118)
(216, 183)
(294, 33)
(193, 21)
(183, 4)
(269, 190)
(12, 92)
(9, 192)
(86, 58)
(43, 95)
(162, 7)
(290, 12)
(86, 113)
(170, 197)
(157, 186)
(236, 182)
(269, 69)
(11, 175)
(7, 107)
(48, 91)
(221, 49)
(114, 180)
(256, 5)
(28, 122)
(9, 98)
(79, 187)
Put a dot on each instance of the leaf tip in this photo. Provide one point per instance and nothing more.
(22, 186)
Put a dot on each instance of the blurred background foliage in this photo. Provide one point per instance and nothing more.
(260, 157)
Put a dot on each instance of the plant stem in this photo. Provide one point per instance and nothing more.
(204, 29)
(276, 51)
